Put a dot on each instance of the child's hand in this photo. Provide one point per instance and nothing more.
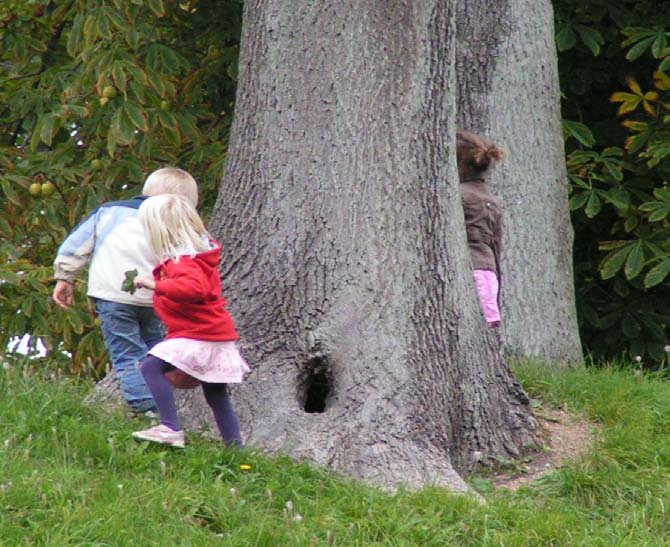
(63, 294)
(144, 282)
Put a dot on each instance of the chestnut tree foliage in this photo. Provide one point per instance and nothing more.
(94, 95)
(615, 75)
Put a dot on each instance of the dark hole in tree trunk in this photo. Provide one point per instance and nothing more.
(315, 385)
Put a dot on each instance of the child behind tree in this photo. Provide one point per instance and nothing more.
(483, 218)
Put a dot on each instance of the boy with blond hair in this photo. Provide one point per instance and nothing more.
(112, 240)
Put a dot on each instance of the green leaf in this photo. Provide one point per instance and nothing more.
(593, 205)
(618, 197)
(27, 307)
(629, 101)
(5, 228)
(659, 214)
(133, 38)
(11, 278)
(139, 90)
(578, 200)
(636, 34)
(90, 29)
(565, 37)
(165, 60)
(591, 38)
(233, 69)
(103, 27)
(659, 45)
(612, 152)
(126, 127)
(119, 76)
(656, 251)
(650, 206)
(638, 49)
(74, 36)
(157, 7)
(136, 116)
(158, 84)
(77, 110)
(635, 143)
(113, 135)
(35, 137)
(613, 262)
(631, 223)
(116, 19)
(75, 320)
(128, 284)
(613, 168)
(635, 261)
(579, 131)
(138, 75)
(48, 129)
(10, 193)
(188, 126)
(657, 274)
(663, 194)
(167, 120)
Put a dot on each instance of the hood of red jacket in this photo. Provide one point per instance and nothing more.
(211, 258)
(208, 259)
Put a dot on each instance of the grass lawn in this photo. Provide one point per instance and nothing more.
(71, 475)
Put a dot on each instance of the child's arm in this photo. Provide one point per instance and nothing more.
(76, 251)
(185, 284)
(73, 255)
(144, 282)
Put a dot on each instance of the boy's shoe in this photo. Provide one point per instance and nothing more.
(150, 415)
(163, 435)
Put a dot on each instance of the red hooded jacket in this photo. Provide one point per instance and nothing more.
(188, 298)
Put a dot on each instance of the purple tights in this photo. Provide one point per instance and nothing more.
(154, 369)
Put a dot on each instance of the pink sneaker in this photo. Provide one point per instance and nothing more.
(163, 435)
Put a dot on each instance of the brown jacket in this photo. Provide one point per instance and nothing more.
(483, 222)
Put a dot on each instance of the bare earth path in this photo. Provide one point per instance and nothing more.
(568, 437)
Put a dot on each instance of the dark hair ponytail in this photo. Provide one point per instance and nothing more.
(475, 154)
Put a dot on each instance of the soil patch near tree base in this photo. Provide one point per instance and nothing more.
(568, 438)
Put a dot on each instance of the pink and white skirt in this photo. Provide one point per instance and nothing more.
(212, 362)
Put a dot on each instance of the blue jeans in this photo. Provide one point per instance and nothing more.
(129, 332)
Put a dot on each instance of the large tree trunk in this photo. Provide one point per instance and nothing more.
(345, 258)
(508, 90)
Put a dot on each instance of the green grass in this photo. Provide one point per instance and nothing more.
(71, 475)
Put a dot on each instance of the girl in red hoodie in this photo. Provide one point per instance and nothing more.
(200, 342)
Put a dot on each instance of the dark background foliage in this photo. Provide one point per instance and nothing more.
(614, 60)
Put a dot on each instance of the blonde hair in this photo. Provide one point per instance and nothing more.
(172, 225)
(170, 180)
(475, 154)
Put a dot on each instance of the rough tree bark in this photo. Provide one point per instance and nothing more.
(345, 259)
(508, 90)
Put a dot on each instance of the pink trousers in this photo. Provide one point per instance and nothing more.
(487, 288)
